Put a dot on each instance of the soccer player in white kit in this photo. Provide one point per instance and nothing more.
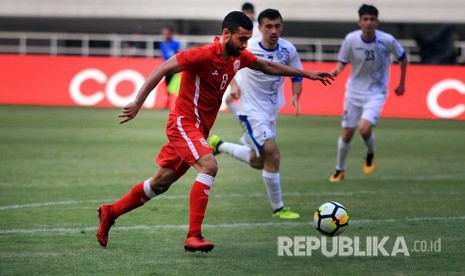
(261, 97)
(369, 53)
(249, 10)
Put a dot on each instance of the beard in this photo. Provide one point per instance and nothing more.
(232, 50)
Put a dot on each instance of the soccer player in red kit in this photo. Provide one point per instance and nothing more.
(207, 71)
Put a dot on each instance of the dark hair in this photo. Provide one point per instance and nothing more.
(271, 14)
(248, 7)
(236, 19)
(367, 9)
(169, 28)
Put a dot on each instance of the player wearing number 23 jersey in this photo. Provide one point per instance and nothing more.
(370, 62)
(368, 51)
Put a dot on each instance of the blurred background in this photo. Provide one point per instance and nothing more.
(133, 28)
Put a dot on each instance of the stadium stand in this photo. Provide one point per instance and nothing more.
(103, 27)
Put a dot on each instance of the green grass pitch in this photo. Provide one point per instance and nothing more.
(59, 164)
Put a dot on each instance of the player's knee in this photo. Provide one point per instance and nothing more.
(272, 164)
(347, 135)
(365, 128)
(365, 132)
(365, 135)
(271, 155)
(207, 165)
(210, 168)
(257, 163)
(275, 157)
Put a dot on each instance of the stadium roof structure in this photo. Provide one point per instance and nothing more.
(413, 11)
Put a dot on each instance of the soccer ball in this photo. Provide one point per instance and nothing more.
(331, 218)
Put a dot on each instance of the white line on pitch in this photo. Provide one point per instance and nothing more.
(213, 196)
(217, 226)
(52, 203)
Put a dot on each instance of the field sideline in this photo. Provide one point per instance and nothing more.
(58, 164)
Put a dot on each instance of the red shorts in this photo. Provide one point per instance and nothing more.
(186, 145)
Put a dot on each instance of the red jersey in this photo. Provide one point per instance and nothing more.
(204, 79)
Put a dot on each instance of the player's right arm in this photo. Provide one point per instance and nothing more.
(169, 67)
(343, 57)
(235, 89)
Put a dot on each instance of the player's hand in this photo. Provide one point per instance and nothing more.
(335, 72)
(295, 104)
(129, 112)
(400, 90)
(235, 92)
(324, 77)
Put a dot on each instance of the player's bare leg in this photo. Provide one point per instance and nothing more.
(137, 196)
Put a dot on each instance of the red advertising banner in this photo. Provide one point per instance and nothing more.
(431, 91)
(76, 81)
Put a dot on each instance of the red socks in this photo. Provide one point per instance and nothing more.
(198, 203)
(135, 198)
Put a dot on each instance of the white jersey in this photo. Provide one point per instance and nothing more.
(263, 95)
(370, 62)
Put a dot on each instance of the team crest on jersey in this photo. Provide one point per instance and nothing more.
(237, 65)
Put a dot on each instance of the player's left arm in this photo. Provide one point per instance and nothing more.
(398, 51)
(294, 61)
(400, 89)
(277, 69)
(296, 91)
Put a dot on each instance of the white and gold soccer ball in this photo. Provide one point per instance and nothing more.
(331, 218)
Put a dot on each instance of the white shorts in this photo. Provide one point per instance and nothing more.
(256, 132)
(356, 109)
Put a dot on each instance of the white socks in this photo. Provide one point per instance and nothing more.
(273, 189)
(272, 181)
(240, 152)
(148, 190)
(371, 143)
(343, 150)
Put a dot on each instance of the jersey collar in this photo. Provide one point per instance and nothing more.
(266, 49)
(216, 41)
(366, 41)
